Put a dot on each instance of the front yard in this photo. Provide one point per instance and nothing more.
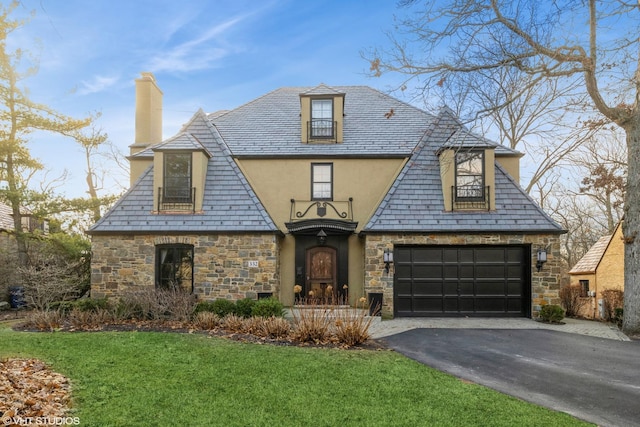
(161, 378)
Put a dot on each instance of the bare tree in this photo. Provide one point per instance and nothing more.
(547, 40)
(604, 168)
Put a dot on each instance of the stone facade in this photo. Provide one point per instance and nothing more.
(545, 284)
(221, 269)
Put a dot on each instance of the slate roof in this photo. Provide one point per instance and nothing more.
(375, 125)
(589, 262)
(229, 203)
(270, 125)
(415, 201)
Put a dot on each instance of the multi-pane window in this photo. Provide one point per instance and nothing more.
(584, 288)
(322, 118)
(322, 181)
(177, 178)
(174, 267)
(470, 175)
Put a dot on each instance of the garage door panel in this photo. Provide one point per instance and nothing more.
(404, 305)
(403, 288)
(514, 271)
(403, 270)
(422, 270)
(427, 304)
(451, 288)
(430, 255)
(462, 280)
(489, 255)
(425, 287)
(466, 287)
(489, 271)
(490, 288)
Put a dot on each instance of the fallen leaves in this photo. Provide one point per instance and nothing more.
(29, 389)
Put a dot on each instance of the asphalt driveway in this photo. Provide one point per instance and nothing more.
(594, 379)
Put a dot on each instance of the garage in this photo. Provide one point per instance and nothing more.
(481, 281)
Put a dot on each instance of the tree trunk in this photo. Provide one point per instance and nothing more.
(631, 232)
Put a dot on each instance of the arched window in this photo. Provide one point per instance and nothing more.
(174, 267)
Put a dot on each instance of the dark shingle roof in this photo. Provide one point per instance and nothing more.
(229, 203)
(415, 202)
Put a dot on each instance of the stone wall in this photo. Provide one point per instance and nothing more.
(545, 284)
(221, 264)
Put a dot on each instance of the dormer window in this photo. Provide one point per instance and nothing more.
(322, 123)
(322, 116)
(469, 176)
(177, 178)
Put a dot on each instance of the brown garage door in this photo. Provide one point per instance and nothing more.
(462, 281)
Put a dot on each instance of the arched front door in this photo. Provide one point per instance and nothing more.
(321, 273)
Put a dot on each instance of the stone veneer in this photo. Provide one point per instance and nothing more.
(123, 263)
(545, 284)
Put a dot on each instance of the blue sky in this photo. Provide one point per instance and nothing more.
(213, 55)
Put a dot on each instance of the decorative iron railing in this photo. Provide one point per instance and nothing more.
(176, 199)
(322, 129)
(470, 198)
(326, 209)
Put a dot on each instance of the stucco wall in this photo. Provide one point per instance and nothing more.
(221, 264)
(544, 284)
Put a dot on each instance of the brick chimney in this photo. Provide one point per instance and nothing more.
(148, 113)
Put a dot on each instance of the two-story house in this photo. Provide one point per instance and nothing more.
(344, 191)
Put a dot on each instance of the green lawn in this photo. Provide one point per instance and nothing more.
(161, 379)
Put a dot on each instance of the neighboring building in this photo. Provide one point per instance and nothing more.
(601, 268)
(318, 187)
(8, 245)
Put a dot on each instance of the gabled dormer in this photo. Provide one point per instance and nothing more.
(321, 115)
(468, 177)
(179, 174)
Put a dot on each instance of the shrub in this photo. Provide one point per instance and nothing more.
(203, 307)
(89, 304)
(571, 299)
(618, 316)
(352, 326)
(44, 320)
(156, 304)
(223, 307)
(273, 327)
(268, 307)
(206, 320)
(233, 323)
(244, 307)
(312, 324)
(551, 313)
(612, 299)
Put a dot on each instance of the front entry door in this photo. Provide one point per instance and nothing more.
(321, 274)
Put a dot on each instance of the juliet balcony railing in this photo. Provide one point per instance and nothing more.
(322, 130)
(321, 209)
(470, 197)
(178, 199)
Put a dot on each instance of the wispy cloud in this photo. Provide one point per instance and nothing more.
(97, 84)
(198, 53)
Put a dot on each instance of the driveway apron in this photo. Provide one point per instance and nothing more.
(594, 379)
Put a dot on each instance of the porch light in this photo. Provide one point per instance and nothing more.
(387, 258)
(322, 237)
(541, 258)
